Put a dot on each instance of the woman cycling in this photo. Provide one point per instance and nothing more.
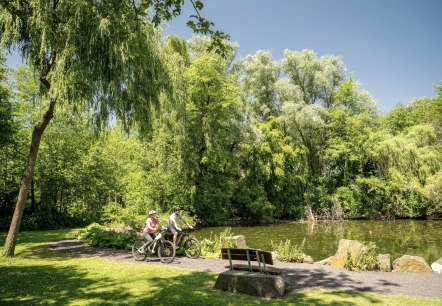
(151, 226)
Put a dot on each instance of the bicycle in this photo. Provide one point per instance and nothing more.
(164, 249)
(187, 244)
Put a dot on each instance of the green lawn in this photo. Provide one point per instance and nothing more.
(38, 275)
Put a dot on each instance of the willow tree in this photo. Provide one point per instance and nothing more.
(102, 53)
(6, 122)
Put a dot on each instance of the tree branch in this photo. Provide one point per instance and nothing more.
(49, 63)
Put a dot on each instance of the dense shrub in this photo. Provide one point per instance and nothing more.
(97, 235)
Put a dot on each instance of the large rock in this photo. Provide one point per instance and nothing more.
(354, 247)
(384, 262)
(408, 263)
(258, 284)
(239, 240)
(437, 266)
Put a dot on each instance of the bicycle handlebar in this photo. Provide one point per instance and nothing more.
(188, 230)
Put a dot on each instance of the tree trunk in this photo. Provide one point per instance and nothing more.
(33, 204)
(28, 174)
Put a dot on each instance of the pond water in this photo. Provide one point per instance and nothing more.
(412, 237)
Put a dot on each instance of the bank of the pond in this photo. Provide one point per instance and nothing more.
(301, 276)
(398, 237)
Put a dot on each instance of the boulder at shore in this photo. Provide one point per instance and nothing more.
(384, 262)
(354, 247)
(437, 266)
(239, 240)
(408, 263)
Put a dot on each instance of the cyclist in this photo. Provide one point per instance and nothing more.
(151, 226)
(173, 223)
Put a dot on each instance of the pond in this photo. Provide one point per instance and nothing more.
(412, 237)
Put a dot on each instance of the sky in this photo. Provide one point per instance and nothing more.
(393, 47)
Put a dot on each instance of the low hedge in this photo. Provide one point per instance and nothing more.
(99, 236)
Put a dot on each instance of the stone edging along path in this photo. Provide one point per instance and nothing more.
(301, 276)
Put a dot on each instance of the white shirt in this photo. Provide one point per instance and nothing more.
(175, 218)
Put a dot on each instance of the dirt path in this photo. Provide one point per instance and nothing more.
(301, 276)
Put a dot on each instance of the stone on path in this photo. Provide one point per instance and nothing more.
(257, 284)
(307, 259)
(437, 266)
(408, 263)
(326, 261)
(384, 262)
(354, 247)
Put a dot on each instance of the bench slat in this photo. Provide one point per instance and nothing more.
(270, 270)
(241, 254)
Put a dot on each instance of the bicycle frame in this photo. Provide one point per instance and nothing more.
(181, 243)
(181, 238)
(160, 246)
(152, 245)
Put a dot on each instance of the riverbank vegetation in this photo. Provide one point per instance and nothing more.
(239, 140)
(66, 279)
(244, 140)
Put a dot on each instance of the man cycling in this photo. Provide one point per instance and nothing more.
(173, 223)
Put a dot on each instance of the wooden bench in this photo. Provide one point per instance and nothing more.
(263, 258)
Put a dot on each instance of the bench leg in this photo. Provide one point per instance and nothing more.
(259, 261)
(248, 260)
(264, 263)
(230, 259)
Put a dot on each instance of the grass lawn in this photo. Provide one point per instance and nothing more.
(38, 275)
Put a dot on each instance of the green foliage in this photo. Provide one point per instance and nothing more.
(99, 236)
(114, 214)
(68, 61)
(367, 262)
(7, 126)
(432, 192)
(211, 247)
(231, 141)
(287, 252)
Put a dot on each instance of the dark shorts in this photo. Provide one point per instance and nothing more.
(147, 235)
(173, 230)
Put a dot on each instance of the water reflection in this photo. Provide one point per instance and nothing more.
(412, 237)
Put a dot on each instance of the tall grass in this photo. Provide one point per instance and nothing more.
(287, 252)
(211, 247)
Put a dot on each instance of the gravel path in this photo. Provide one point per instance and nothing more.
(301, 276)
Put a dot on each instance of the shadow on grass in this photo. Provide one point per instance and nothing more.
(196, 289)
(41, 284)
(45, 284)
(334, 298)
(303, 279)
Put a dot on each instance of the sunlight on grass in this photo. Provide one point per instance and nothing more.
(38, 275)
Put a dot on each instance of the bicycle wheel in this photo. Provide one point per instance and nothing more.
(166, 251)
(192, 248)
(136, 252)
